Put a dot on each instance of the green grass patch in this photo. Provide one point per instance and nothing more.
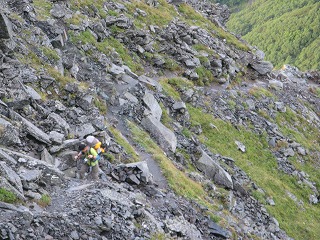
(261, 166)
(7, 196)
(300, 129)
(107, 46)
(42, 9)
(169, 90)
(45, 200)
(165, 118)
(76, 19)
(205, 76)
(260, 92)
(171, 64)
(121, 140)
(62, 80)
(101, 105)
(192, 17)
(159, 16)
(177, 180)
(92, 7)
(201, 47)
(50, 53)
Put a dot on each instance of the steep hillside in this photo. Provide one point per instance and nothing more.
(204, 140)
(287, 31)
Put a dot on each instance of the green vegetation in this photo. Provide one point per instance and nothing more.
(6, 196)
(261, 166)
(205, 76)
(101, 105)
(177, 180)
(233, 4)
(165, 118)
(287, 31)
(171, 86)
(90, 6)
(42, 9)
(76, 19)
(298, 128)
(192, 17)
(160, 16)
(50, 53)
(107, 46)
(121, 140)
(45, 200)
(260, 92)
(158, 236)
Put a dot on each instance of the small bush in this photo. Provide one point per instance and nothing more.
(7, 196)
(260, 92)
(45, 200)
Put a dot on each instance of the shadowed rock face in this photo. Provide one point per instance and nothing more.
(5, 27)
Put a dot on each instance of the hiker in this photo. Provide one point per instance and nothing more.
(96, 144)
(90, 159)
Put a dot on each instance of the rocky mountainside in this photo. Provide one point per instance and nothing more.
(205, 140)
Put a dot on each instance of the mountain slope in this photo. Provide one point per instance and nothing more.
(232, 145)
(284, 30)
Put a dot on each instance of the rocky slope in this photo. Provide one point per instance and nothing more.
(159, 82)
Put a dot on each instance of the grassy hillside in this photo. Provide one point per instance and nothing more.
(287, 31)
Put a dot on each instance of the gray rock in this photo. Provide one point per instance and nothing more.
(56, 137)
(36, 132)
(116, 71)
(145, 174)
(166, 138)
(32, 93)
(192, 63)
(133, 179)
(30, 175)
(241, 146)
(152, 105)
(180, 226)
(181, 106)
(66, 144)
(7, 158)
(6, 185)
(47, 157)
(74, 235)
(288, 152)
(251, 104)
(280, 106)
(58, 11)
(85, 102)
(131, 98)
(272, 142)
(151, 82)
(33, 195)
(59, 122)
(275, 84)
(8, 134)
(84, 130)
(5, 27)
(213, 170)
(11, 176)
(262, 67)
(301, 151)
(313, 199)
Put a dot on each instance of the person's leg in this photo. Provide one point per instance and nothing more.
(83, 170)
(95, 172)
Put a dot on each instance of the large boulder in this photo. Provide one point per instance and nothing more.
(165, 137)
(213, 170)
(262, 67)
(5, 27)
(8, 134)
(153, 106)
